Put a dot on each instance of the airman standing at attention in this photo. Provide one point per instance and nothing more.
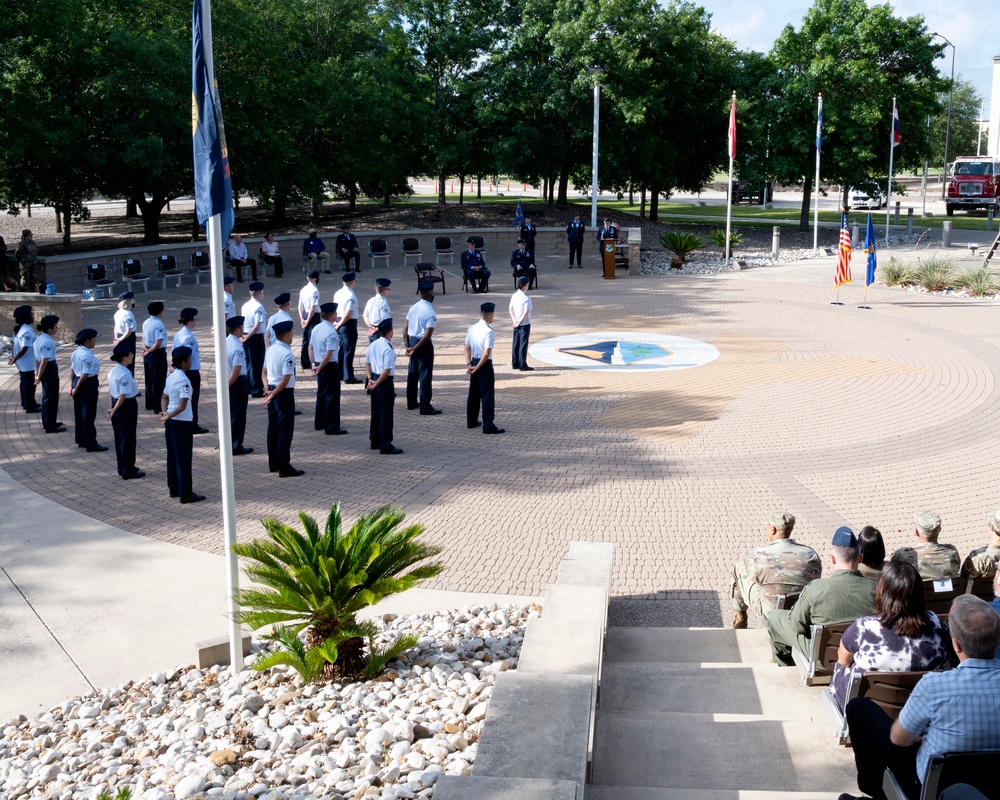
(239, 386)
(23, 355)
(125, 325)
(347, 326)
(154, 355)
(377, 309)
(308, 314)
(279, 377)
(227, 301)
(479, 341)
(123, 410)
(47, 374)
(324, 352)
(777, 568)
(380, 366)
(185, 338)
(283, 313)
(934, 561)
(254, 323)
(176, 419)
(421, 320)
(85, 390)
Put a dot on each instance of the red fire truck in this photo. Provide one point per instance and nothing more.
(974, 183)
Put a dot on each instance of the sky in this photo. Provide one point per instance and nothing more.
(971, 26)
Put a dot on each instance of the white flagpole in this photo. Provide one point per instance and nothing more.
(729, 203)
(819, 133)
(892, 149)
(214, 230)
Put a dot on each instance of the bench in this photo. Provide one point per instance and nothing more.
(978, 770)
(817, 665)
(888, 690)
(429, 272)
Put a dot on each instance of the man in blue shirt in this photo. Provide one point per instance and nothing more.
(948, 712)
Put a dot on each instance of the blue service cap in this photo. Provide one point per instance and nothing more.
(383, 282)
(180, 353)
(156, 307)
(348, 277)
(256, 286)
(121, 349)
(86, 333)
(282, 327)
(314, 275)
(126, 296)
(488, 308)
(281, 299)
(844, 537)
(234, 322)
(524, 280)
(328, 308)
(385, 325)
(228, 280)
(424, 286)
(21, 311)
(189, 312)
(48, 321)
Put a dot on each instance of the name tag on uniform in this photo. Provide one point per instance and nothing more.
(943, 586)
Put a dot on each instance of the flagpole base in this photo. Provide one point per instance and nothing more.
(836, 303)
(868, 308)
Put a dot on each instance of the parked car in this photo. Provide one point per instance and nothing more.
(866, 198)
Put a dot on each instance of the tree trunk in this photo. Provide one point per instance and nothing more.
(58, 220)
(552, 190)
(442, 178)
(352, 198)
(461, 189)
(479, 187)
(280, 208)
(130, 210)
(151, 222)
(631, 193)
(67, 223)
(563, 200)
(387, 201)
(545, 189)
(844, 199)
(654, 198)
(804, 211)
(642, 204)
(314, 217)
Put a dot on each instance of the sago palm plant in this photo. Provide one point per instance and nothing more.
(681, 244)
(315, 583)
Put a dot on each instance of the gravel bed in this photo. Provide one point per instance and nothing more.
(186, 733)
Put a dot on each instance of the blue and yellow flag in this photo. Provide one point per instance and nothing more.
(870, 249)
(213, 187)
(518, 215)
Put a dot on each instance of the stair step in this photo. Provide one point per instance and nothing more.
(686, 645)
(693, 751)
(654, 793)
(725, 690)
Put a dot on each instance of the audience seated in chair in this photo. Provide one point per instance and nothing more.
(934, 561)
(474, 268)
(314, 250)
(872, 552)
(270, 253)
(522, 261)
(240, 258)
(982, 562)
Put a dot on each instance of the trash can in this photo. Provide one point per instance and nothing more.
(608, 258)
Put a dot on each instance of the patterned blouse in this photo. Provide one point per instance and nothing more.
(878, 648)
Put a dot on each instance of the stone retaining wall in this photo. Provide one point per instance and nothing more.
(65, 306)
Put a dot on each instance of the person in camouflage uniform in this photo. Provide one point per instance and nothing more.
(780, 567)
(934, 561)
(27, 256)
(982, 562)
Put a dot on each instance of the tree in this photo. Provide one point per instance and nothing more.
(965, 107)
(859, 57)
(318, 582)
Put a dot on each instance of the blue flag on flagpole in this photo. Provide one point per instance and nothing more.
(213, 187)
(518, 215)
(870, 249)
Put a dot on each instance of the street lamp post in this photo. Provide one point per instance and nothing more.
(947, 129)
(598, 71)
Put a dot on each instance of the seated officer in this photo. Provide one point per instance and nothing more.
(933, 560)
(523, 262)
(474, 267)
(982, 562)
(843, 597)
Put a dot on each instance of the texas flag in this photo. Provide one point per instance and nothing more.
(896, 138)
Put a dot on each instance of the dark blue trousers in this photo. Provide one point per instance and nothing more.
(124, 423)
(328, 399)
(519, 348)
(306, 333)
(50, 396)
(480, 280)
(155, 370)
(255, 363)
(85, 411)
(348, 344)
(873, 751)
(194, 375)
(180, 444)
(239, 393)
(576, 248)
(481, 394)
(383, 398)
(27, 387)
(419, 375)
(280, 427)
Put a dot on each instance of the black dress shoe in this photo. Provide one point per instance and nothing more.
(192, 498)
(341, 432)
(392, 451)
(242, 451)
(412, 408)
(257, 395)
(57, 429)
(291, 472)
(374, 447)
(134, 475)
(432, 413)
(352, 380)
(173, 494)
(198, 429)
(473, 425)
(298, 414)
(494, 430)
(526, 369)
(97, 448)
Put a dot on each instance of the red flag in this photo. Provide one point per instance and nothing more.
(732, 128)
(844, 254)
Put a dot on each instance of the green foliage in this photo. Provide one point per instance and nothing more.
(681, 243)
(718, 238)
(965, 107)
(895, 273)
(935, 274)
(314, 583)
(124, 793)
(980, 281)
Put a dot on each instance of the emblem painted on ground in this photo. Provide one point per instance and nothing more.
(624, 352)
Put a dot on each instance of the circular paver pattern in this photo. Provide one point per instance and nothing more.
(615, 351)
(834, 413)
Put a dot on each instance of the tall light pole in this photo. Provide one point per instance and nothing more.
(947, 129)
(598, 71)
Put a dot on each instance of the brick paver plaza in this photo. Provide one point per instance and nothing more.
(834, 413)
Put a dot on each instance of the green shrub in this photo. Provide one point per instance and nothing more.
(681, 244)
(935, 274)
(124, 793)
(315, 583)
(718, 238)
(895, 273)
(979, 281)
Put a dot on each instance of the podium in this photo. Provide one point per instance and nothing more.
(608, 247)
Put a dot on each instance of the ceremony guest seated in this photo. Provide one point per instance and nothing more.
(239, 258)
(314, 249)
(348, 249)
(270, 253)
(474, 267)
(522, 261)
(843, 597)
(872, 552)
(948, 712)
(901, 636)
(982, 562)
(933, 560)
(776, 568)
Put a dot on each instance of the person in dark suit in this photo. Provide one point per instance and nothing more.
(474, 267)
(574, 235)
(522, 261)
(609, 231)
(528, 233)
(347, 248)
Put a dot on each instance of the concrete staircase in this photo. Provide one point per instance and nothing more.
(701, 714)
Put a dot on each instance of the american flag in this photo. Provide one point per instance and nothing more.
(844, 255)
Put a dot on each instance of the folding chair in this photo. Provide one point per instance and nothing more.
(97, 279)
(166, 268)
(378, 248)
(132, 273)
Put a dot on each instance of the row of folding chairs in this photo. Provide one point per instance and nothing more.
(133, 274)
